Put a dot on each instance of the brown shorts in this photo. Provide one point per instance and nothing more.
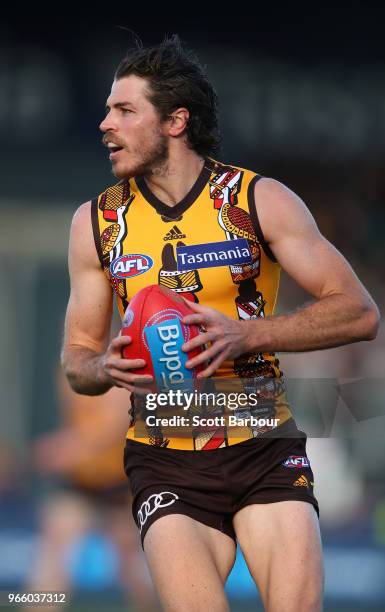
(211, 486)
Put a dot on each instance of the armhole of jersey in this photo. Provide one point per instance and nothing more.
(96, 230)
(255, 219)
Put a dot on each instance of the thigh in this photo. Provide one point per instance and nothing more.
(282, 548)
(189, 563)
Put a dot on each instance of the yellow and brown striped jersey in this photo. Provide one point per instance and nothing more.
(187, 248)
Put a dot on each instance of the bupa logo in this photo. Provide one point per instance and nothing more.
(165, 342)
(130, 265)
(296, 461)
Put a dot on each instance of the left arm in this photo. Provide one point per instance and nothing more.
(343, 311)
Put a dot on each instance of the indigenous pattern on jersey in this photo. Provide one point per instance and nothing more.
(195, 247)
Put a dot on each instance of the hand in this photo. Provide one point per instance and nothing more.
(227, 337)
(115, 370)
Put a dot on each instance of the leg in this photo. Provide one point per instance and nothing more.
(134, 577)
(282, 547)
(189, 563)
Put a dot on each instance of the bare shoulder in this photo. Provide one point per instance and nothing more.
(281, 211)
(81, 220)
(82, 243)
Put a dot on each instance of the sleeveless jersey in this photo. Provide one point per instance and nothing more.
(189, 248)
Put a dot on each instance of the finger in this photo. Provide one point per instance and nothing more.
(126, 386)
(123, 377)
(197, 319)
(193, 305)
(204, 356)
(120, 341)
(213, 366)
(125, 364)
(198, 341)
(123, 385)
(133, 389)
(142, 391)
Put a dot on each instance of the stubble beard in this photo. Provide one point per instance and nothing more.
(149, 162)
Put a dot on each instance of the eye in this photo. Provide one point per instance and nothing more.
(125, 111)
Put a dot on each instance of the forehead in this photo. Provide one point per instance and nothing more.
(131, 89)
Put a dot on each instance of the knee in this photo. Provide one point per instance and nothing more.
(311, 597)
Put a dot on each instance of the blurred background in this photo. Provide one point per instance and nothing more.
(302, 100)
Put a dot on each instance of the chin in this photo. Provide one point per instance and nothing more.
(121, 172)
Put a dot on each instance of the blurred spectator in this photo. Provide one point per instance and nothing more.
(85, 455)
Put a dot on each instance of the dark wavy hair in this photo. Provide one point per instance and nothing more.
(177, 79)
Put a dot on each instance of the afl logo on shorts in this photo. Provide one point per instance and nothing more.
(130, 265)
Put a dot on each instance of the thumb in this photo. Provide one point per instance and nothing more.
(121, 340)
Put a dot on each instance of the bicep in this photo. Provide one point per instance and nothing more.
(89, 310)
(298, 245)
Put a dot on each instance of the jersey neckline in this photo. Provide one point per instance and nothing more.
(189, 199)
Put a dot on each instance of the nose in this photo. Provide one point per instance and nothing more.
(107, 123)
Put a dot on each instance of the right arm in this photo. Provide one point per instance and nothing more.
(90, 361)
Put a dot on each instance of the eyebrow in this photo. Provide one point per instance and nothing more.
(119, 105)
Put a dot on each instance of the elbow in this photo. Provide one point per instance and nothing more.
(73, 382)
(70, 376)
(70, 373)
(65, 366)
(80, 367)
(78, 385)
(369, 322)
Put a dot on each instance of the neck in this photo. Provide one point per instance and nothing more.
(171, 182)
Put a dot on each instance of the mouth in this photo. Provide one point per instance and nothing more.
(114, 150)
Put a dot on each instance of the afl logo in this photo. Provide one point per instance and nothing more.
(130, 265)
(128, 317)
(296, 461)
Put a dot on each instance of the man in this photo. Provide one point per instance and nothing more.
(160, 128)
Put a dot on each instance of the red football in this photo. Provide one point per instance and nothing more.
(153, 319)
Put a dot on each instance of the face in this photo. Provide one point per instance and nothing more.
(133, 131)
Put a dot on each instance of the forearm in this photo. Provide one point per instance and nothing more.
(83, 368)
(329, 322)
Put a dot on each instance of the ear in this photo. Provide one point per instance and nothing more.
(178, 121)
